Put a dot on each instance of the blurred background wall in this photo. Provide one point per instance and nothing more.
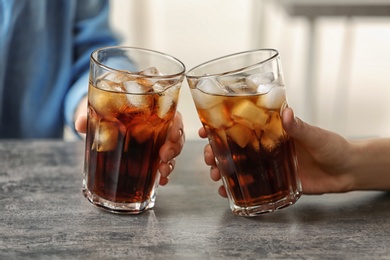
(336, 68)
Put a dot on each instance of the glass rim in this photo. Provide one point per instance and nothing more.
(230, 72)
(108, 68)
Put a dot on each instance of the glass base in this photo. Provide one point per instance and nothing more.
(265, 208)
(119, 208)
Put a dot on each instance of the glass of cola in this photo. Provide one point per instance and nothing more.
(132, 99)
(239, 99)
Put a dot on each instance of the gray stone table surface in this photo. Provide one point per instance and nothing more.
(43, 215)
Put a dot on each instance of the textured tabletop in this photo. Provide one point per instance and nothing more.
(43, 215)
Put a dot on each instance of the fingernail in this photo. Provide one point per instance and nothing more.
(170, 165)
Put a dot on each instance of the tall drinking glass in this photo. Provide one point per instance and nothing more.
(240, 99)
(132, 99)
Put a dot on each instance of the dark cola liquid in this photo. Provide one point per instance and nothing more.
(125, 175)
(254, 154)
(122, 152)
(256, 177)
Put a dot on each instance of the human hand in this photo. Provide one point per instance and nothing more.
(209, 159)
(170, 149)
(323, 157)
(80, 122)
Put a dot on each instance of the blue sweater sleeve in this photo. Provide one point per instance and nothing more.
(92, 31)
